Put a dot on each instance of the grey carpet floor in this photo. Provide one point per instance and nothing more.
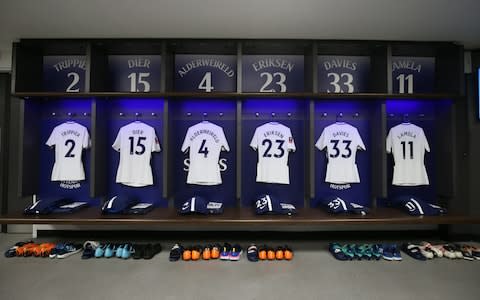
(313, 274)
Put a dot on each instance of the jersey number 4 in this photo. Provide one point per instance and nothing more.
(337, 151)
(139, 149)
(203, 150)
(269, 143)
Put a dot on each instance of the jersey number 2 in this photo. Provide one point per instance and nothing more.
(70, 143)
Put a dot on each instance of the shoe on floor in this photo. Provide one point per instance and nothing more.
(176, 252)
(252, 253)
(287, 253)
(337, 251)
(225, 253)
(69, 249)
(413, 251)
(236, 252)
(151, 250)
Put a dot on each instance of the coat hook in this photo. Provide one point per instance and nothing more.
(355, 115)
(273, 114)
(189, 114)
(54, 114)
(154, 114)
(220, 114)
(70, 114)
(86, 114)
(121, 114)
(205, 114)
(421, 115)
(391, 115)
(257, 114)
(289, 114)
(137, 114)
(324, 115)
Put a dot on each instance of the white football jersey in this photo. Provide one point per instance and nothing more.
(273, 141)
(136, 142)
(69, 139)
(407, 143)
(342, 141)
(204, 141)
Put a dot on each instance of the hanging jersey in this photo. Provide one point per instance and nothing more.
(273, 141)
(204, 141)
(407, 143)
(342, 141)
(69, 139)
(136, 142)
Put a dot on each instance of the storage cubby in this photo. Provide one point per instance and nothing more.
(447, 71)
(127, 66)
(435, 118)
(362, 63)
(38, 158)
(362, 115)
(50, 65)
(292, 113)
(185, 113)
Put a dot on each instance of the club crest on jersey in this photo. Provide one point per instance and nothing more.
(290, 140)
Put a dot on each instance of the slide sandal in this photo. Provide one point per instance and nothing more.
(176, 252)
(252, 253)
(413, 251)
(337, 252)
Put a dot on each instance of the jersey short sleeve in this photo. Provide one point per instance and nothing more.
(186, 141)
(52, 139)
(254, 141)
(224, 142)
(117, 144)
(389, 142)
(320, 144)
(156, 143)
(427, 146)
(290, 142)
(86, 140)
(360, 143)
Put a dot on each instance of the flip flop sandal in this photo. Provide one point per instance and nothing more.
(358, 254)
(262, 252)
(187, 254)
(467, 253)
(207, 252)
(287, 253)
(215, 253)
(88, 251)
(128, 250)
(458, 250)
(196, 253)
(110, 250)
(376, 251)
(279, 253)
(11, 252)
(139, 251)
(337, 252)
(426, 251)
(413, 251)
(175, 253)
(449, 252)
(119, 251)
(44, 249)
(365, 252)
(100, 251)
(436, 252)
(151, 251)
(252, 253)
(270, 254)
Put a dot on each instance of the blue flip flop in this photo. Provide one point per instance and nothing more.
(100, 251)
(119, 251)
(127, 251)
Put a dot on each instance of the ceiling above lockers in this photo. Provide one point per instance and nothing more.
(418, 20)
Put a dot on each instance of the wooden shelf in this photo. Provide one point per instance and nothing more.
(363, 96)
(237, 216)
